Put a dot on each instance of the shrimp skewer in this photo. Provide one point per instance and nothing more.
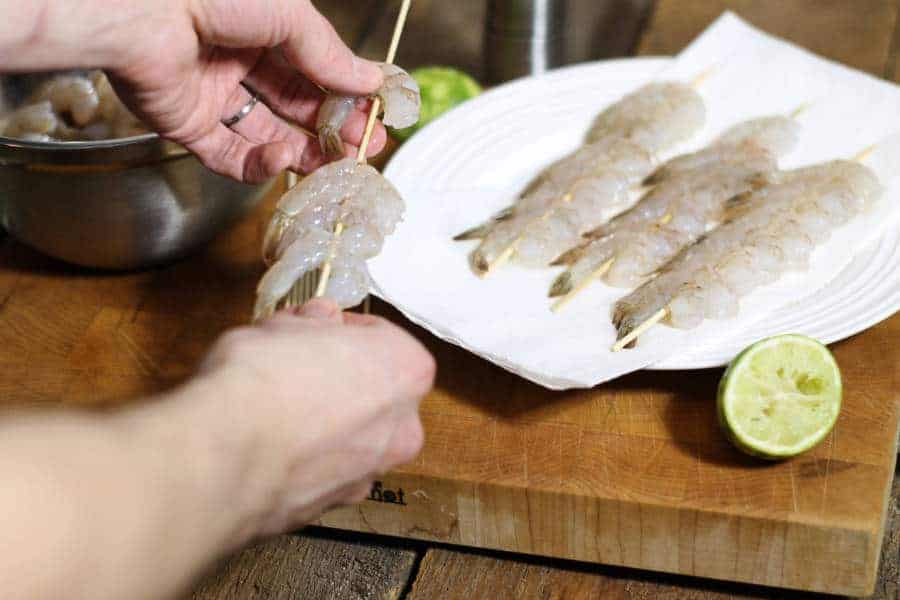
(301, 236)
(588, 187)
(686, 202)
(333, 220)
(769, 232)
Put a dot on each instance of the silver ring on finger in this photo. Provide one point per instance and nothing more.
(244, 111)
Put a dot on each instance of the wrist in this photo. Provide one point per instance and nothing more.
(213, 431)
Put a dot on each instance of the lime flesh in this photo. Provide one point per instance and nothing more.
(780, 397)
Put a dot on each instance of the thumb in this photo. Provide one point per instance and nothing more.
(308, 40)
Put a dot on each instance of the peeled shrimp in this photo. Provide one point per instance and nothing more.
(400, 99)
(747, 144)
(773, 231)
(73, 96)
(575, 195)
(656, 116)
(301, 236)
(682, 207)
(34, 120)
(72, 107)
(590, 186)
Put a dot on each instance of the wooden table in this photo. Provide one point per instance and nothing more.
(125, 321)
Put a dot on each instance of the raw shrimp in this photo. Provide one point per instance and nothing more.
(576, 194)
(72, 96)
(774, 230)
(681, 208)
(119, 122)
(587, 188)
(399, 95)
(746, 144)
(301, 235)
(331, 117)
(657, 116)
(35, 121)
(72, 107)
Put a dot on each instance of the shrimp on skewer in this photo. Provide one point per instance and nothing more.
(399, 95)
(585, 189)
(656, 116)
(748, 143)
(301, 236)
(770, 231)
(685, 203)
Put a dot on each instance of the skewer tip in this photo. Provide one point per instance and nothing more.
(800, 110)
(627, 340)
(704, 75)
(864, 153)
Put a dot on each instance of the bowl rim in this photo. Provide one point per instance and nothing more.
(11, 142)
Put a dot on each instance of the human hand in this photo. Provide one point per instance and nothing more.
(181, 64)
(322, 402)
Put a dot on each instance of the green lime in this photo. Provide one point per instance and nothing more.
(442, 88)
(780, 397)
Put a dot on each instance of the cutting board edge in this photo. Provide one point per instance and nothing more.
(498, 517)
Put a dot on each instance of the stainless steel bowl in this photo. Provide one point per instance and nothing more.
(113, 204)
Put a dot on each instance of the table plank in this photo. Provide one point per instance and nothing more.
(330, 566)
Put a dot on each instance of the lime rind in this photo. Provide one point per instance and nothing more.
(780, 397)
(441, 89)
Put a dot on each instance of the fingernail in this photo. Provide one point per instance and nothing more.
(318, 309)
(367, 71)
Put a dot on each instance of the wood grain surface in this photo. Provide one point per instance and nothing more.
(646, 444)
(287, 567)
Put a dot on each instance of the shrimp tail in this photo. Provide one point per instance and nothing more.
(479, 231)
(655, 177)
(274, 232)
(480, 263)
(624, 321)
(623, 331)
(561, 286)
(475, 233)
(330, 142)
(568, 257)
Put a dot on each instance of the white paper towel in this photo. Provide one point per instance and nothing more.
(505, 318)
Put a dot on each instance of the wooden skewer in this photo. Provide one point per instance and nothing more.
(600, 272)
(367, 136)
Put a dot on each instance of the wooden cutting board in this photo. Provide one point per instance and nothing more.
(632, 473)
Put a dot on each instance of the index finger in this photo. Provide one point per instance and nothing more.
(308, 40)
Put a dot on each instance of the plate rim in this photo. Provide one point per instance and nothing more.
(396, 166)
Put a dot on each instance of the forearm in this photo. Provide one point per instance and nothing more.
(38, 35)
(125, 506)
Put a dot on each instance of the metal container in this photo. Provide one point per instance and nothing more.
(523, 37)
(114, 204)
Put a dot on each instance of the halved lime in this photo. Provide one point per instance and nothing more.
(780, 396)
(441, 88)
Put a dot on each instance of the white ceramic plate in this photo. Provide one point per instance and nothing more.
(499, 140)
